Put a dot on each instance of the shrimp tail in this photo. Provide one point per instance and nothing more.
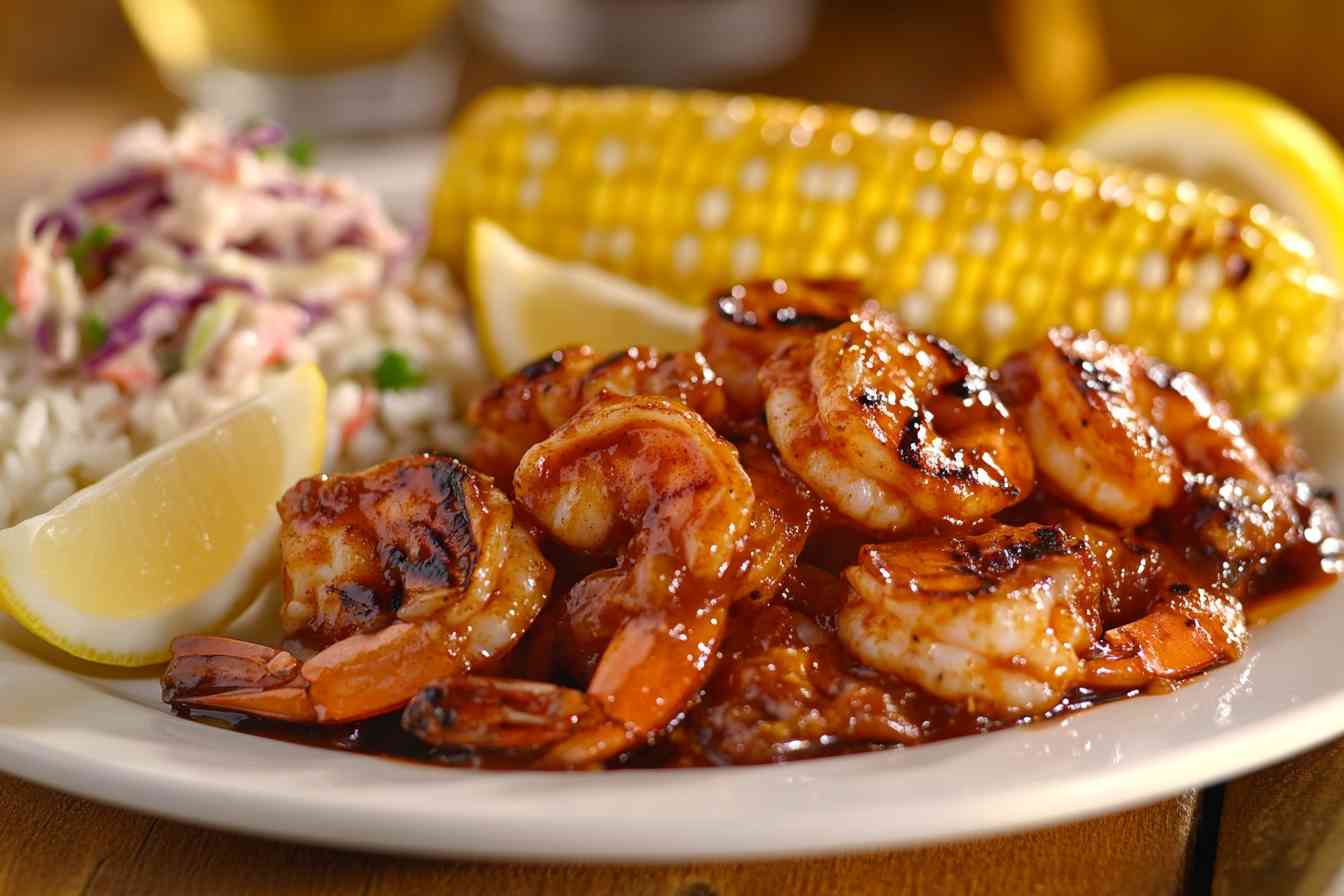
(498, 713)
(227, 674)
(1175, 640)
(286, 704)
(362, 676)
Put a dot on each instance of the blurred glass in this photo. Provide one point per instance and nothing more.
(320, 66)
(1063, 53)
(672, 42)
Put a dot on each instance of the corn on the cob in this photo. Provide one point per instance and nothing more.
(983, 239)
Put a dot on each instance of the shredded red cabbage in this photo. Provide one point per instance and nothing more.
(63, 219)
(401, 261)
(260, 136)
(284, 191)
(145, 205)
(129, 328)
(313, 313)
(116, 247)
(45, 335)
(119, 185)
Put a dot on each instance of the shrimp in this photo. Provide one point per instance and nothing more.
(782, 515)
(1187, 630)
(1080, 402)
(891, 427)
(526, 408)
(1322, 540)
(998, 621)
(786, 687)
(1124, 437)
(486, 713)
(1232, 503)
(1249, 502)
(751, 321)
(1167, 614)
(647, 480)
(530, 405)
(643, 370)
(409, 572)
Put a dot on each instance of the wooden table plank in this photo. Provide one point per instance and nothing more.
(58, 844)
(1282, 829)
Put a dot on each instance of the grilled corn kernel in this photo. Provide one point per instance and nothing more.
(984, 239)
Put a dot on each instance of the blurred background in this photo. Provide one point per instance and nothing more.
(367, 76)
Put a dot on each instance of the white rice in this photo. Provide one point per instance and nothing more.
(63, 425)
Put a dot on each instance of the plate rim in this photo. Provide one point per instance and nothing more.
(371, 827)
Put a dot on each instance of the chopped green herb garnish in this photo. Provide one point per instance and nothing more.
(83, 250)
(301, 151)
(92, 332)
(396, 371)
(6, 310)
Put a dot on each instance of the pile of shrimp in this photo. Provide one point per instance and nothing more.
(819, 533)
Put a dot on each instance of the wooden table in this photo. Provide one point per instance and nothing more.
(1278, 831)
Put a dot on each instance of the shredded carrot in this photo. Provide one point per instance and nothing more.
(368, 403)
(25, 285)
(128, 376)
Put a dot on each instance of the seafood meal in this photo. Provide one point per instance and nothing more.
(972, 432)
(821, 532)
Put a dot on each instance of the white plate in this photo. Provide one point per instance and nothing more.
(107, 737)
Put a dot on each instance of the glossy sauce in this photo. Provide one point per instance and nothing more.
(1290, 585)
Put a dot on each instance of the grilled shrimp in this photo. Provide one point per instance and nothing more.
(1322, 541)
(647, 480)
(1083, 404)
(1124, 437)
(1167, 613)
(693, 528)
(782, 515)
(643, 370)
(890, 427)
(1186, 630)
(1248, 503)
(487, 713)
(998, 621)
(530, 405)
(1232, 502)
(786, 687)
(412, 571)
(751, 321)
(526, 408)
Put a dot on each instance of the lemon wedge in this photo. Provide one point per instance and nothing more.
(526, 304)
(1227, 135)
(177, 541)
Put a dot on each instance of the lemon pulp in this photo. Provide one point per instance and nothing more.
(177, 541)
(176, 549)
(526, 304)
